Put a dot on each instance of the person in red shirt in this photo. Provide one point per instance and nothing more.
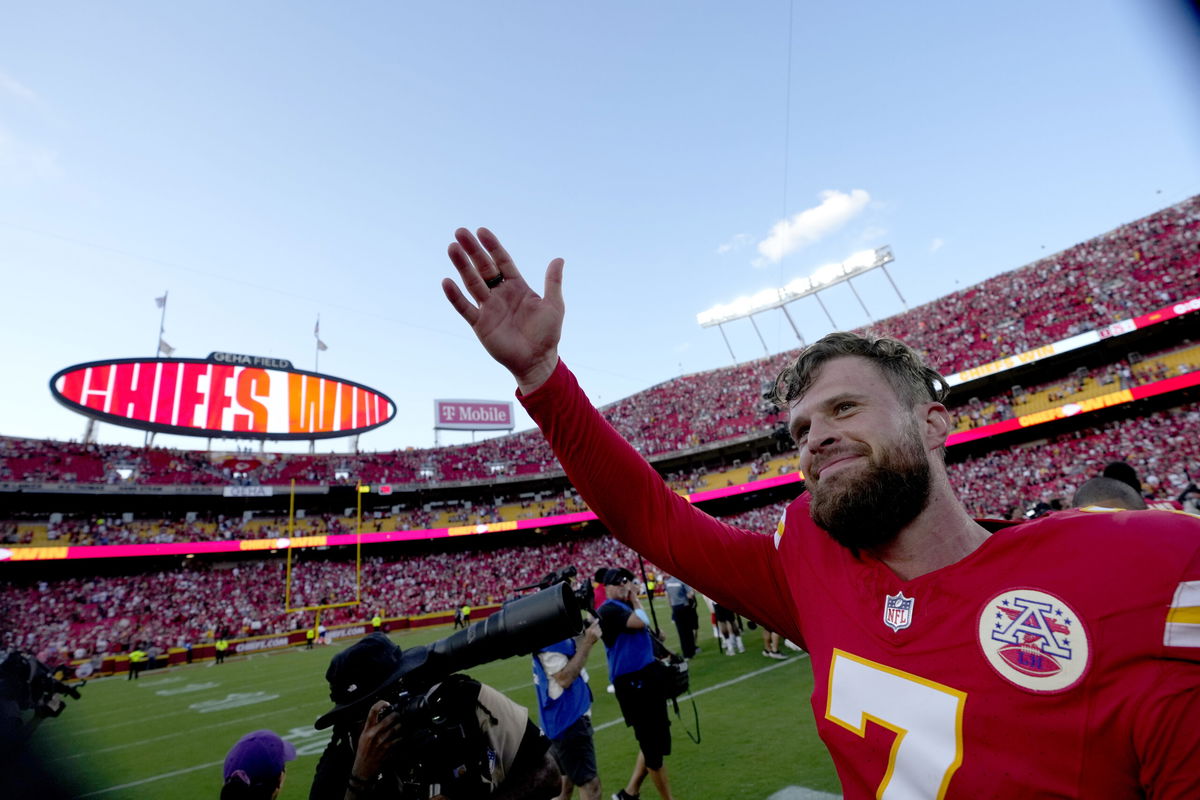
(953, 658)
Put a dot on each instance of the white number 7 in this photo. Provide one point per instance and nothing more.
(926, 717)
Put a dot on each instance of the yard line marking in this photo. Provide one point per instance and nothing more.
(187, 688)
(67, 733)
(161, 681)
(131, 784)
(714, 687)
(189, 731)
(802, 793)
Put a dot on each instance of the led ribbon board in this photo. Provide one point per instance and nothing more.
(225, 395)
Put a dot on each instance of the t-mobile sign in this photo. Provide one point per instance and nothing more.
(473, 415)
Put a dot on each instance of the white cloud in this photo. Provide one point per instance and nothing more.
(936, 245)
(10, 85)
(736, 243)
(810, 225)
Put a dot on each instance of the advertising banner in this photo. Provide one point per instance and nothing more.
(473, 415)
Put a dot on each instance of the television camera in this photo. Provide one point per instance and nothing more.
(439, 741)
(29, 693)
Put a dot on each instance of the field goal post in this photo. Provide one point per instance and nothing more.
(287, 584)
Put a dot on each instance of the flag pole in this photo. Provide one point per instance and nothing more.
(162, 325)
(312, 443)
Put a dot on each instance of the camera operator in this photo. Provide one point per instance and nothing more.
(372, 754)
(29, 694)
(564, 706)
(637, 680)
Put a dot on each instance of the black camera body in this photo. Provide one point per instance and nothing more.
(440, 741)
(444, 751)
(29, 693)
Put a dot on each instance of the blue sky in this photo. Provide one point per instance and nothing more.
(268, 162)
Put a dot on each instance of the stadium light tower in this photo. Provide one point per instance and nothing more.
(822, 278)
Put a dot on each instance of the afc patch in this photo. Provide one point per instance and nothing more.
(898, 611)
(1034, 640)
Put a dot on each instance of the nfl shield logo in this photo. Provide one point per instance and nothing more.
(897, 611)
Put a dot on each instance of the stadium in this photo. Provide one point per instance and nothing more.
(1058, 368)
(697, 400)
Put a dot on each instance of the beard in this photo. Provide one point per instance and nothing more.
(867, 510)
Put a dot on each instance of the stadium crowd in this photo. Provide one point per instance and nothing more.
(1002, 483)
(1006, 483)
(1129, 271)
(170, 608)
(1018, 400)
(83, 617)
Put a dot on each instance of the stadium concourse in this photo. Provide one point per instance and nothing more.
(1061, 366)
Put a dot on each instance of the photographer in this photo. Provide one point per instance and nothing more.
(29, 694)
(490, 747)
(637, 680)
(564, 706)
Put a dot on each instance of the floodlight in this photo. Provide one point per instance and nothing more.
(822, 277)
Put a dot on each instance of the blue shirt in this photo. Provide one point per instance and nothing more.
(559, 713)
(628, 650)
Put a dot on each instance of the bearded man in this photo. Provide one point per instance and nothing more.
(952, 658)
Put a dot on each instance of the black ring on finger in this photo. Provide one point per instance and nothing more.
(492, 283)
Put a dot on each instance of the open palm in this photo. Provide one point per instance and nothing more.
(517, 327)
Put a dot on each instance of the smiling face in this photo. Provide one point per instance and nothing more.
(865, 460)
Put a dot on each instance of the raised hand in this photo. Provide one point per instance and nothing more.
(517, 327)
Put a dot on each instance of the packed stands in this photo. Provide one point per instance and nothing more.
(1162, 447)
(1129, 271)
(192, 605)
(94, 615)
(1082, 384)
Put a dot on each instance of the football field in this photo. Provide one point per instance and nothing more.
(166, 734)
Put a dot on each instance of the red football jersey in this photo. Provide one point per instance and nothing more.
(1060, 659)
(1044, 664)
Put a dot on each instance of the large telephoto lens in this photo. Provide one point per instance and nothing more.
(519, 628)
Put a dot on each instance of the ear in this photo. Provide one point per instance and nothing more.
(936, 425)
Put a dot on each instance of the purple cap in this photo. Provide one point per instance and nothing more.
(260, 756)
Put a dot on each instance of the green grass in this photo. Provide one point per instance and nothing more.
(152, 738)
